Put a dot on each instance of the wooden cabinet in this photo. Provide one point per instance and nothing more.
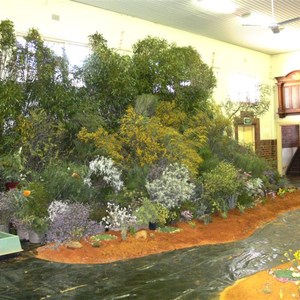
(288, 94)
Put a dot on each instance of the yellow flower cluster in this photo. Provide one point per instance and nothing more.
(108, 143)
(145, 140)
(297, 255)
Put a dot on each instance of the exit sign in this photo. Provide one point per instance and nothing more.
(247, 121)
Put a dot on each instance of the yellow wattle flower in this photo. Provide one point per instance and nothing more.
(75, 175)
(26, 193)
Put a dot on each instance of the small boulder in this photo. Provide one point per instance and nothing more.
(142, 234)
(73, 245)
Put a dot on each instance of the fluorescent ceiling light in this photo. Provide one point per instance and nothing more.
(217, 6)
(256, 19)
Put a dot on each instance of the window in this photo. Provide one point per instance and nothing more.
(76, 53)
(243, 88)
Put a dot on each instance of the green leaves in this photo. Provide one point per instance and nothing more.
(109, 80)
(173, 73)
(219, 185)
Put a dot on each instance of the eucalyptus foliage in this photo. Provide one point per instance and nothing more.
(31, 76)
(45, 76)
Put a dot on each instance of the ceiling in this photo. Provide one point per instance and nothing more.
(185, 15)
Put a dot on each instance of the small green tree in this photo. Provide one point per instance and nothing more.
(11, 93)
(46, 79)
(220, 187)
(172, 72)
(109, 80)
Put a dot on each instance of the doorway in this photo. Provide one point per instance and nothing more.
(246, 135)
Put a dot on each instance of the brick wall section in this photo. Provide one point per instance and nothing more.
(290, 136)
(267, 149)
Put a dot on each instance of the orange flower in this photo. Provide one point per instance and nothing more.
(26, 193)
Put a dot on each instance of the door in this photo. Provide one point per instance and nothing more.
(246, 135)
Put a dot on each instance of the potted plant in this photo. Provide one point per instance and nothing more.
(31, 211)
(35, 210)
(19, 199)
(147, 214)
(38, 227)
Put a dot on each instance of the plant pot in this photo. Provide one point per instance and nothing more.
(23, 234)
(35, 238)
(152, 226)
(11, 185)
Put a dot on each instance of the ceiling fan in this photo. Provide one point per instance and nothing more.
(274, 26)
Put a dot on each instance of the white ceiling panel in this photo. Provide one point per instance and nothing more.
(185, 15)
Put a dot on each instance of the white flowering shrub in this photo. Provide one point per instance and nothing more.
(103, 169)
(255, 187)
(118, 217)
(57, 207)
(172, 188)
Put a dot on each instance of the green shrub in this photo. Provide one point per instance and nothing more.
(147, 212)
(220, 185)
(64, 181)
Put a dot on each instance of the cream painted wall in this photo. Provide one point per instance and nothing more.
(77, 21)
(282, 64)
